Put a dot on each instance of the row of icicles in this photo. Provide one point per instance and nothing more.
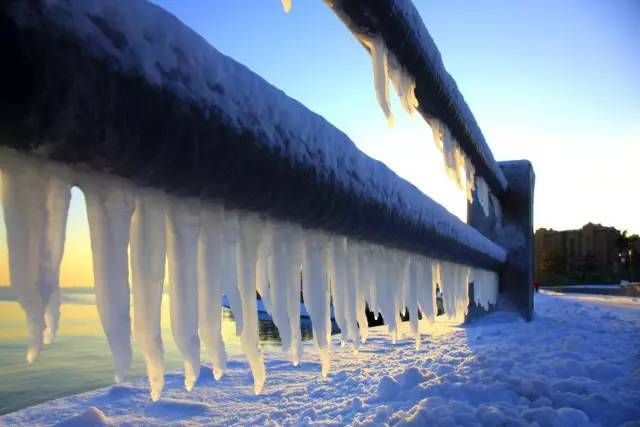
(210, 251)
(388, 71)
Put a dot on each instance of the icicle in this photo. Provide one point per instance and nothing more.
(470, 173)
(58, 198)
(403, 83)
(497, 211)
(109, 208)
(457, 165)
(279, 286)
(294, 255)
(262, 265)
(230, 283)
(360, 277)
(482, 193)
(347, 273)
(183, 227)
(148, 255)
(249, 238)
(378, 51)
(315, 288)
(211, 268)
(387, 284)
(427, 275)
(286, 5)
(485, 288)
(25, 214)
(412, 297)
(455, 289)
(343, 297)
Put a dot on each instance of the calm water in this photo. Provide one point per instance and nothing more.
(79, 360)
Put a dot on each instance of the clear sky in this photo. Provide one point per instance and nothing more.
(555, 82)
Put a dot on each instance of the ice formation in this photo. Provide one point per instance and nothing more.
(147, 257)
(387, 68)
(315, 290)
(35, 202)
(485, 288)
(482, 193)
(110, 204)
(454, 284)
(460, 168)
(211, 250)
(211, 268)
(183, 228)
(249, 234)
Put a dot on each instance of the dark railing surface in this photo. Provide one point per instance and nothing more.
(79, 91)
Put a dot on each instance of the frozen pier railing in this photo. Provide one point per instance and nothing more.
(160, 130)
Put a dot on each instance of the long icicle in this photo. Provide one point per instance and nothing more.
(249, 237)
(110, 205)
(58, 199)
(183, 227)
(210, 279)
(279, 287)
(230, 273)
(25, 214)
(148, 255)
(315, 288)
(294, 249)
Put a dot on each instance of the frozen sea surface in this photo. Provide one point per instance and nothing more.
(577, 363)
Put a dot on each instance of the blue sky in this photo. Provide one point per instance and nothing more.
(556, 82)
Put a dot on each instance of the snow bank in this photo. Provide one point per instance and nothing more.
(574, 364)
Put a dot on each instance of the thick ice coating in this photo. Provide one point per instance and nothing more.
(183, 228)
(110, 204)
(147, 257)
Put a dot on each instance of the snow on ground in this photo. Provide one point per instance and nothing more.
(577, 363)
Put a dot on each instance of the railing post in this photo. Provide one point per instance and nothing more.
(514, 232)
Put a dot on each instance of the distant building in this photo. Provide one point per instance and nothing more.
(589, 251)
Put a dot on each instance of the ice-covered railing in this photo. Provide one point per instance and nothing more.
(160, 128)
(211, 250)
(404, 53)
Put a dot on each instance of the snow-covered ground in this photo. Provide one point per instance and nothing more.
(577, 363)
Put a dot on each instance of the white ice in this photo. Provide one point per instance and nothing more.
(249, 235)
(183, 227)
(110, 204)
(485, 287)
(315, 289)
(211, 251)
(35, 202)
(230, 283)
(454, 284)
(147, 257)
(482, 192)
(211, 266)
